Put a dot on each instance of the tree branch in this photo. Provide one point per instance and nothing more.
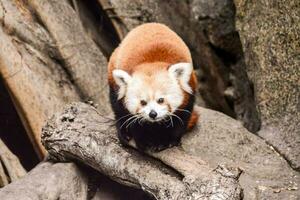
(81, 133)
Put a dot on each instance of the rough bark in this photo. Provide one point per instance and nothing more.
(80, 133)
(49, 181)
(271, 45)
(10, 166)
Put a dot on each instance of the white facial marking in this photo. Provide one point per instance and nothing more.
(122, 79)
(150, 89)
(182, 72)
(160, 110)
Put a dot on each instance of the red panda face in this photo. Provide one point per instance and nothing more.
(154, 97)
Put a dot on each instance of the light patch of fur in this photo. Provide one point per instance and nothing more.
(150, 89)
(182, 72)
(122, 79)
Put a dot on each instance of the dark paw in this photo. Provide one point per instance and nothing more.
(124, 139)
(157, 148)
(174, 143)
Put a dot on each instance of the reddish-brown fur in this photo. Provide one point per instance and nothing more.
(147, 44)
(193, 121)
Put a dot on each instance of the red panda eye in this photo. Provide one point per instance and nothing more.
(143, 102)
(160, 100)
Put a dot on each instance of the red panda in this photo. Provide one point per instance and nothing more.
(152, 87)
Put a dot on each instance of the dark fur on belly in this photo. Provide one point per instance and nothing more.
(149, 135)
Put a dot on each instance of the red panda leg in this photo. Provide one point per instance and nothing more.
(193, 121)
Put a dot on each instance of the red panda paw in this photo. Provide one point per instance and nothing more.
(193, 121)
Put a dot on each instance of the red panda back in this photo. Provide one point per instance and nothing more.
(151, 42)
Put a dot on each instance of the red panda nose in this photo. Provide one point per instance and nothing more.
(152, 114)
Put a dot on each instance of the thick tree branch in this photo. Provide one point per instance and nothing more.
(81, 133)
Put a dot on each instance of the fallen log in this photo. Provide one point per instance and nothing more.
(81, 134)
(49, 181)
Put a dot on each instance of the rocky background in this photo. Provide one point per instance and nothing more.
(269, 33)
(247, 57)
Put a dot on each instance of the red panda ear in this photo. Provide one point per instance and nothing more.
(121, 78)
(182, 72)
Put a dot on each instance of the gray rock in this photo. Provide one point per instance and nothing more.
(270, 34)
(49, 181)
(221, 139)
(217, 50)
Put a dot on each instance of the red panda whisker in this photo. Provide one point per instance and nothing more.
(127, 121)
(177, 117)
(165, 120)
(128, 125)
(133, 121)
(123, 124)
(122, 118)
(142, 119)
(171, 120)
(169, 125)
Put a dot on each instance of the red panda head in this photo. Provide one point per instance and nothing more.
(155, 92)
